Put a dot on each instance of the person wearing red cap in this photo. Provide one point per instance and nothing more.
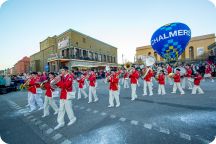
(126, 76)
(65, 82)
(81, 82)
(134, 75)
(187, 77)
(197, 80)
(147, 81)
(169, 70)
(92, 87)
(177, 82)
(48, 100)
(161, 83)
(114, 89)
(208, 73)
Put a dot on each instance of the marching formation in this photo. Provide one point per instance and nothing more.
(179, 76)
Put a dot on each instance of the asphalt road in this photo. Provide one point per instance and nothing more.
(168, 119)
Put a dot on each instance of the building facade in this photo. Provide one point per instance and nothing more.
(72, 49)
(197, 49)
(22, 66)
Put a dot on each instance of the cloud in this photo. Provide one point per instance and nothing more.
(2, 2)
(213, 1)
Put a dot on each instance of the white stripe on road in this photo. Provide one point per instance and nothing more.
(112, 116)
(148, 126)
(66, 142)
(57, 136)
(88, 109)
(163, 130)
(49, 131)
(185, 136)
(95, 111)
(103, 113)
(29, 117)
(122, 119)
(133, 122)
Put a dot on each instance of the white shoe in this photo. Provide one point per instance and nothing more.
(182, 93)
(151, 95)
(190, 88)
(212, 80)
(27, 105)
(78, 98)
(58, 126)
(118, 105)
(90, 102)
(144, 94)
(72, 121)
(44, 116)
(173, 92)
(110, 106)
(133, 99)
(40, 108)
(96, 100)
(193, 93)
(56, 113)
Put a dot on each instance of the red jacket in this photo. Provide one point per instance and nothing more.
(65, 85)
(208, 70)
(48, 88)
(148, 76)
(133, 77)
(114, 83)
(197, 79)
(126, 75)
(169, 69)
(177, 77)
(161, 79)
(81, 82)
(189, 72)
(32, 85)
(92, 80)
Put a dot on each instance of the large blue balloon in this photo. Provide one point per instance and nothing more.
(170, 40)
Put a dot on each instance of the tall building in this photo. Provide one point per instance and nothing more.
(197, 49)
(72, 49)
(22, 66)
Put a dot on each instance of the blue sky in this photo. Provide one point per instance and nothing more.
(126, 24)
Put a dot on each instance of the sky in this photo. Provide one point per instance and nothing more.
(125, 24)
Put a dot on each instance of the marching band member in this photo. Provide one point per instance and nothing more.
(197, 80)
(48, 100)
(133, 79)
(65, 82)
(169, 70)
(208, 72)
(81, 82)
(188, 77)
(39, 91)
(107, 74)
(126, 76)
(113, 89)
(32, 91)
(177, 82)
(147, 81)
(92, 87)
(161, 83)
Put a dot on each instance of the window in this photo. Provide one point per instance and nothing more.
(84, 40)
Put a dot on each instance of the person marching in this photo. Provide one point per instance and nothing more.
(177, 82)
(134, 75)
(126, 76)
(113, 89)
(31, 83)
(92, 87)
(208, 73)
(147, 81)
(65, 82)
(48, 100)
(81, 82)
(197, 80)
(187, 77)
(161, 83)
(169, 70)
(39, 92)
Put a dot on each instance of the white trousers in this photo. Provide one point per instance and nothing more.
(126, 83)
(177, 85)
(65, 106)
(161, 89)
(81, 90)
(113, 95)
(170, 81)
(31, 97)
(49, 101)
(188, 83)
(149, 84)
(197, 88)
(92, 91)
(39, 100)
(133, 91)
